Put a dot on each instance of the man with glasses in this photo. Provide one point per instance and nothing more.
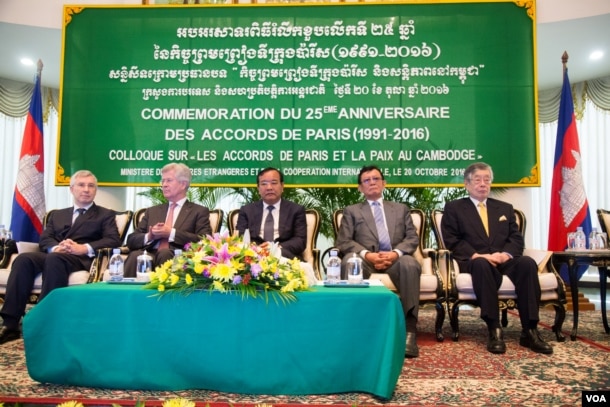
(171, 225)
(483, 236)
(67, 244)
(273, 219)
(383, 235)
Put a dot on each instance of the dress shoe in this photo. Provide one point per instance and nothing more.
(411, 350)
(496, 344)
(8, 334)
(532, 339)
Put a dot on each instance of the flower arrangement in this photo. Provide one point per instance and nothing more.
(230, 264)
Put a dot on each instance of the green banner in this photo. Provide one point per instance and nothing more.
(422, 90)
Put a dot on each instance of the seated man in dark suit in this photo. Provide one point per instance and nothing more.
(386, 243)
(68, 243)
(273, 219)
(483, 235)
(171, 225)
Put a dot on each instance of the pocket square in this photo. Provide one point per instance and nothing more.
(502, 218)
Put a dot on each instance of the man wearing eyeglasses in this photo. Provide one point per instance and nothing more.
(171, 225)
(273, 219)
(483, 236)
(67, 244)
(382, 233)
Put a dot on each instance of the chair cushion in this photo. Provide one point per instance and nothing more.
(76, 278)
(548, 286)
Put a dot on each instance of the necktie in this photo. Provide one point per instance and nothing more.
(268, 231)
(164, 243)
(483, 214)
(78, 213)
(384, 238)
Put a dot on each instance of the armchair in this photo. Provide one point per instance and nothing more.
(460, 290)
(311, 254)
(432, 291)
(216, 217)
(12, 249)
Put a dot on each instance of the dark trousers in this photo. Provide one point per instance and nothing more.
(55, 269)
(158, 257)
(486, 280)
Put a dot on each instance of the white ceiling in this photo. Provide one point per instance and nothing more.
(578, 27)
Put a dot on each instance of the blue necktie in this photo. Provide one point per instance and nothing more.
(269, 226)
(384, 239)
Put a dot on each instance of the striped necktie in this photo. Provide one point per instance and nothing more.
(384, 238)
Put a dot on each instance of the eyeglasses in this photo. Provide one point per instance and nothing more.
(267, 183)
(369, 180)
(480, 180)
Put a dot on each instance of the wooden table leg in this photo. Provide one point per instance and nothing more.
(603, 274)
(572, 272)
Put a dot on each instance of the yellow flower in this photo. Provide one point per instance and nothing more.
(179, 402)
(222, 272)
(70, 404)
(189, 279)
(161, 287)
(218, 286)
(199, 267)
(175, 278)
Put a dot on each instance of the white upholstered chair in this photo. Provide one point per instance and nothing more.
(123, 220)
(311, 255)
(460, 290)
(432, 291)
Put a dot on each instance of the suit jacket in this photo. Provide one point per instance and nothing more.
(464, 234)
(192, 223)
(358, 231)
(292, 226)
(96, 227)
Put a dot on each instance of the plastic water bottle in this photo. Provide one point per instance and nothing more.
(580, 240)
(354, 270)
(115, 267)
(2, 234)
(333, 267)
(593, 240)
(177, 254)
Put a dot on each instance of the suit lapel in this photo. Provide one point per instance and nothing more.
(257, 219)
(475, 218)
(369, 219)
(81, 219)
(183, 215)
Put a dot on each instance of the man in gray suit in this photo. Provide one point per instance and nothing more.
(273, 219)
(171, 225)
(386, 243)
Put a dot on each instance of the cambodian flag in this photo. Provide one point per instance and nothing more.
(569, 206)
(29, 202)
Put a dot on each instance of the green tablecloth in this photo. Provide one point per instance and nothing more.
(330, 340)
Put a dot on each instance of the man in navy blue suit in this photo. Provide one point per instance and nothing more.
(283, 221)
(67, 244)
(483, 235)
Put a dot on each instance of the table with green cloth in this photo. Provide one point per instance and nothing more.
(330, 340)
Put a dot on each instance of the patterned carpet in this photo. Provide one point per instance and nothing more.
(446, 374)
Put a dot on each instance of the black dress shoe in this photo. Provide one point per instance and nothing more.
(532, 339)
(8, 334)
(495, 343)
(411, 350)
